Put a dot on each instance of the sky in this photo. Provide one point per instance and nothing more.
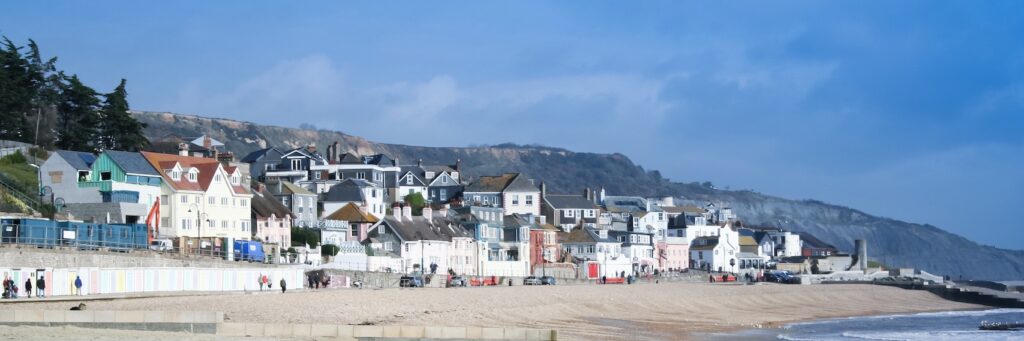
(911, 110)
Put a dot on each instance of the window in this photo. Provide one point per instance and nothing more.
(245, 202)
(476, 198)
(661, 216)
(105, 176)
(316, 175)
(184, 199)
(515, 200)
(296, 164)
(217, 178)
(408, 180)
(569, 213)
(82, 176)
(163, 199)
(529, 200)
(444, 180)
(589, 213)
(224, 201)
(430, 175)
(193, 175)
(211, 200)
(361, 175)
(284, 201)
(444, 194)
(373, 193)
(236, 179)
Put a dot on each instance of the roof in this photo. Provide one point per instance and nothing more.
(420, 228)
(353, 214)
(379, 159)
(350, 159)
(747, 241)
(291, 188)
(78, 160)
(810, 241)
(264, 205)
(514, 182)
(704, 243)
(347, 190)
(259, 154)
(586, 235)
(132, 162)
(417, 173)
(623, 204)
(569, 201)
(207, 169)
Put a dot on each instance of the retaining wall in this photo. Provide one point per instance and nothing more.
(60, 281)
(15, 255)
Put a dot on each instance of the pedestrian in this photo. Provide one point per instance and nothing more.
(41, 287)
(28, 287)
(284, 286)
(78, 285)
(316, 281)
(260, 281)
(604, 279)
(7, 287)
(266, 281)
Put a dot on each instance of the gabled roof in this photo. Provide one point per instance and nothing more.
(747, 241)
(416, 172)
(78, 160)
(811, 241)
(586, 235)
(560, 202)
(704, 243)
(271, 153)
(348, 190)
(379, 160)
(131, 162)
(264, 204)
(352, 214)
(291, 188)
(207, 169)
(420, 228)
(622, 204)
(508, 182)
(349, 158)
(439, 169)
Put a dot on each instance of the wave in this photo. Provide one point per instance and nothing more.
(958, 313)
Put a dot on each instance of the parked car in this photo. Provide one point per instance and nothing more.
(532, 280)
(415, 281)
(547, 280)
(458, 281)
(161, 245)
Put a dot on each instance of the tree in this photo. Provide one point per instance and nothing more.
(15, 92)
(416, 201)
(119, 130)
(329, 250)
(77, 116)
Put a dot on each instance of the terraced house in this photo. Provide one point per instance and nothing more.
(114, 187)
(513, 192)
(201, 198)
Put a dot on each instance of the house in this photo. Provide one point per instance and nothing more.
(787, 244)
(271, 220)
(378, 169)
(639, 214)
(410, 181)
(682, 216)
(368, 196)
(443, 182)
(117, 187)
(814, 247)
(300, 201)
(261, 161)
(298, 166)
(200, 197)
(595, 252)
(513, 192)
(638, 248)
(421, 241)
(674, 254)
(716, 253)
(62, 173)
(568, 211)
(353, 220)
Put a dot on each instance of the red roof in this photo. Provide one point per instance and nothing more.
(207, 169)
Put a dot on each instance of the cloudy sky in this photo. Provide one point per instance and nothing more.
(910, 110)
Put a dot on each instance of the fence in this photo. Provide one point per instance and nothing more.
(61, 281)
(48, 233)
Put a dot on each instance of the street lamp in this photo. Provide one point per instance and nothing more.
(199, 225)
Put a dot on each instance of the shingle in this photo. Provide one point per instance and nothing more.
(132, 163)
(569, 201)
(78, 160)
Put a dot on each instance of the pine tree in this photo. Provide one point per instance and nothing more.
(120, 131)
(78, 117)
(46, 88)
(15, 93)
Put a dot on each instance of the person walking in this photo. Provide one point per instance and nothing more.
(28, 287)
(260, 281)
(41, 287)
(7, 287)
(78, 285)
(284, 285)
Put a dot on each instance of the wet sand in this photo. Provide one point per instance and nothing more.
(582, 312)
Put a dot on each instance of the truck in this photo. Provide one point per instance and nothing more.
(249, 250)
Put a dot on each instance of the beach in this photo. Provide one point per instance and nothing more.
(579, 312)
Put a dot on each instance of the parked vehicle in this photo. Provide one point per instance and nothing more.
(458, 281)
(414, 281)
(532, 280)
(547, 280)
(249, 250)
(161, 245)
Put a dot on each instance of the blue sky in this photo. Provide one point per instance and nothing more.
(911, 109)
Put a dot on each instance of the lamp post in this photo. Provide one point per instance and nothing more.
(39, 184)
(199, 226)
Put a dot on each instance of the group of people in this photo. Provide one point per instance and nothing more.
(11, 288)
(264, 281)
(315, 280)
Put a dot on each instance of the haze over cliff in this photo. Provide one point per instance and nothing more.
(892, 242)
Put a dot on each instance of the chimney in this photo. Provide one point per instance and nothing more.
(207, 142)
(260, 187)
(602, 196)
(407, 212)
(396, 211)
(419, 163)
(458, 165)
(428, 212)
(311, 148)
(648, 202)
(279, 190)
(183, 149)
(443, 211)
(543, 190)
(587, 194)
(397, 163)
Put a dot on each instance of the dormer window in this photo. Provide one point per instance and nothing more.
(193, 175)
(296, 164)
(444, 180)
(176, 175)
(430, 175)
(236, 179)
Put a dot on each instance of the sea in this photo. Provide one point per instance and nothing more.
(952, 325)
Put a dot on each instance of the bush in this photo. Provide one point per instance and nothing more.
(303, 236)
(416, 201)
(15, 158)
(329, 250)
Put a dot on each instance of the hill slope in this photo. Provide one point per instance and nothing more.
(893, 242)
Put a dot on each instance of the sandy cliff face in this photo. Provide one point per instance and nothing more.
(891, 241)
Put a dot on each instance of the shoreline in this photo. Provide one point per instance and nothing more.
(579, 312)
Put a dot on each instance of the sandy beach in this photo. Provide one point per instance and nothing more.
(644, 311)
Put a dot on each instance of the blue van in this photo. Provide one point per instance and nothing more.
(248, 250)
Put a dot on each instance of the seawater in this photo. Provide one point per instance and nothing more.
(952, 325)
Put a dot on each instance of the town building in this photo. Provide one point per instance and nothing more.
(513, 192)
(271, 220)
(352, 220)
(569, 211)
(300, 201)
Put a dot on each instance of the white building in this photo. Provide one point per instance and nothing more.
(368, 196)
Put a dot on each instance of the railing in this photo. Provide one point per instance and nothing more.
(15, 189)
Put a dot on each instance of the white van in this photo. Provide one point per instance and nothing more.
(161, 245)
